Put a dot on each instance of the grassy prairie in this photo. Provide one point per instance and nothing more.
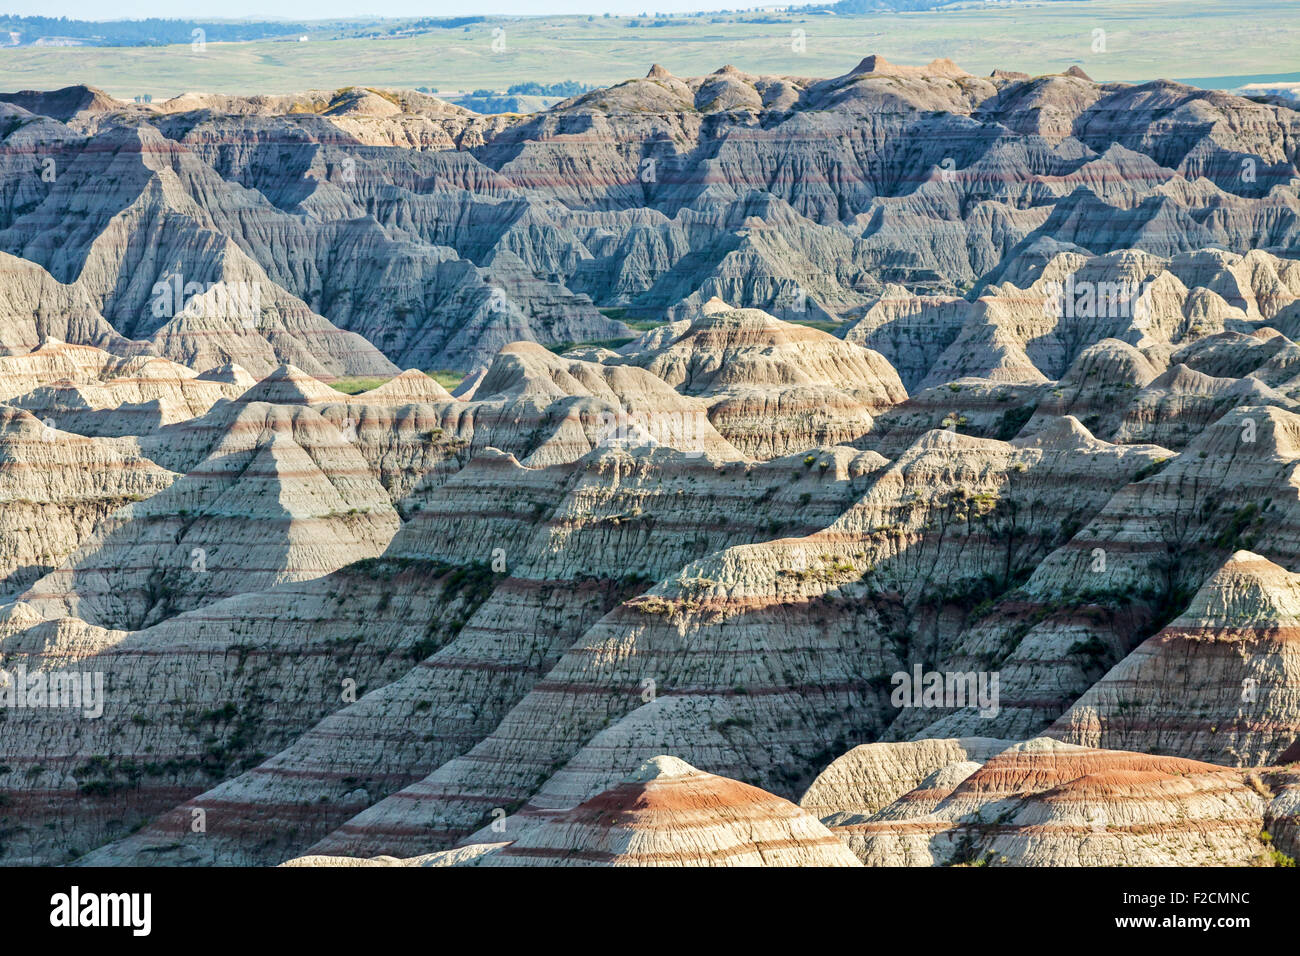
(1145, 39)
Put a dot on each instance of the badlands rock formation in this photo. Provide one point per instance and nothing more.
(440, 235)
(768, 383)
(1217, 683)
(1045, 803)
(666, 813)
(893, 469)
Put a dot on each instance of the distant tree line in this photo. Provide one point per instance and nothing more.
(850, 8)
(447, 23)
(564, 88)
(150, 32)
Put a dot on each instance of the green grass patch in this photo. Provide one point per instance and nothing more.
(357, 385)
(561, 347)
(448, 378)
(822, 324)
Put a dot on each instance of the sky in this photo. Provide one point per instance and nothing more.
(324, 9)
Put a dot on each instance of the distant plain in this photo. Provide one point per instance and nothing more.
(1144, 39)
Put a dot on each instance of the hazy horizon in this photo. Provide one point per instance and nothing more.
(348, 9)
